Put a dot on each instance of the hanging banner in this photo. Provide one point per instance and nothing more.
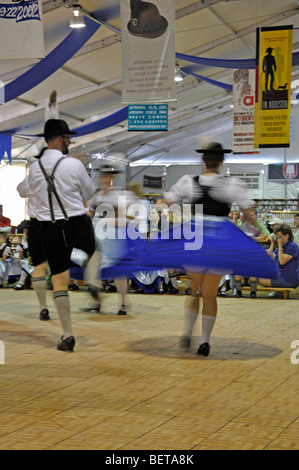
(148, 117)
(244, 107)
(148, 51)
(273, 87)
(5, 146)
(21, 29)
(283, 172)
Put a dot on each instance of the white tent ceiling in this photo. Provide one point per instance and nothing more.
(89, 85)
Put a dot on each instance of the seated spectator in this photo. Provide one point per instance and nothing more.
(260, 234)
(4, 255)
(240, 281)
(26, 269)
(296, 225)
(235, 216)
(276, 223)
(287, 256)
(259, 230)
(5, 222)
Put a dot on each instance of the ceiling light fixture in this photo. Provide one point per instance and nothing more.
(178, 77)
(77, 20)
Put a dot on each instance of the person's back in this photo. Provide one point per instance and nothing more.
(61, 215)
(72, 183)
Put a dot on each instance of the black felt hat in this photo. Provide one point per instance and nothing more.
(111, 169)
(56, 127)
(146, 20)
(214, 148)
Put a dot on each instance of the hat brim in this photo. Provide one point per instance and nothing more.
(111, 172)
(213, 151)
(150, 34)
(56, 133)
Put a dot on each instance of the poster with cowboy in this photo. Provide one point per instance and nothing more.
(273, 86)
(21, 29)
(148, 51)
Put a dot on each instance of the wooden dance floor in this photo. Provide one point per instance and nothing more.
(129, 386)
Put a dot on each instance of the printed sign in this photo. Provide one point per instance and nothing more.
(153, 182)
(280, 172)
(21, 29)
(148, 117)
(244, 107)
(273, 90)
(148, 51)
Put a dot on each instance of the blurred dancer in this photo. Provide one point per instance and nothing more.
(108, 208)
(215, 193)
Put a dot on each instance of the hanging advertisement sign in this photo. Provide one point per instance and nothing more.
(244, 108)
(273, 87)
(148, 117)
(148, 51)
(283, 172)
(21, 29)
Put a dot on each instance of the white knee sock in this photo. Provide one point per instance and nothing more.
(207, 327)
(23, 277)
(190, 317)
(39, 285)
(62, 303)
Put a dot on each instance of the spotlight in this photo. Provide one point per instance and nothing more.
(178, 77)
(77, 20)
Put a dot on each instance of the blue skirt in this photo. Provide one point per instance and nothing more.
(212, 245)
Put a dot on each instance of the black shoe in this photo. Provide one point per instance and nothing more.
(94, 292)
(238, 293)
(185, 342)
(44, 315)
(188, 291)
(222, 294)
(204, 349)
(90, 309)
(253, 294)
(122, 311)
(73, 287)
(67, 344)
(19, 287)
(173, 291)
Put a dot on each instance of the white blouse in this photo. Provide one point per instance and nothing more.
(222, 189)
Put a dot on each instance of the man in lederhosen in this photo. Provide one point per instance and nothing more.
(60, 186)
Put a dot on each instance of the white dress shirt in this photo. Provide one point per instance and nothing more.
(24, 191)
(72, 182)
(223, 189)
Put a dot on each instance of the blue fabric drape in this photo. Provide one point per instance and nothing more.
(52, 62)
(228, 63)
(189, 71)
(101, 124)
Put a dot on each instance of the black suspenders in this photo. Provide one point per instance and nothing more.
(51, 189)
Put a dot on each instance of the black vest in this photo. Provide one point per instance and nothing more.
(210, 205)
(25, 251)
(2, 250)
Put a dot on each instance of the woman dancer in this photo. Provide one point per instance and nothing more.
(215, 193)
(109, 207)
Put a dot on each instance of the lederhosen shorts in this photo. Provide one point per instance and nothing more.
(36, 250)
(59, 239)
